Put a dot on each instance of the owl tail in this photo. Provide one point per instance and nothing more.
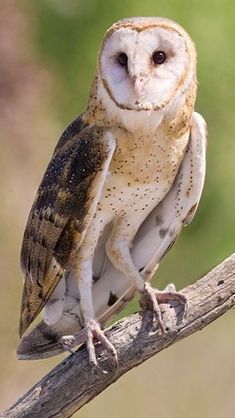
(44, 340)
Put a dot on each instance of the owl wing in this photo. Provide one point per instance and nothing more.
(61, 212)
(111, 290)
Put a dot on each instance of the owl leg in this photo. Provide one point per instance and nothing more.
(91, 326)
(118, 251)
(92, 331)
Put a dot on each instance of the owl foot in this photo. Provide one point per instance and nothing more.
(153, 298)
(91, 331)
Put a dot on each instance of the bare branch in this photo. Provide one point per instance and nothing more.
(72, 383)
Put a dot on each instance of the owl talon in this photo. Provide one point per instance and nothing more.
(70, 341)
(93, 331)
(153, 297)
(87, 335)
(67, 342)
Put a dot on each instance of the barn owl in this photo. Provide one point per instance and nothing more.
(124, 178)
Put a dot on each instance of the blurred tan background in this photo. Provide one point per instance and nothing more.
(48, 54)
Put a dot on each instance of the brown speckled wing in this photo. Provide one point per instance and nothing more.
(64, 204)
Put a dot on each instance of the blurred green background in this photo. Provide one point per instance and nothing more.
(48, 54)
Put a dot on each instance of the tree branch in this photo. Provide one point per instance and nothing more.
(72, 383)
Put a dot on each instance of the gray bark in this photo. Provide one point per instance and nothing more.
(73, 383)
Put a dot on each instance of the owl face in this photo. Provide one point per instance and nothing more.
(145, 62)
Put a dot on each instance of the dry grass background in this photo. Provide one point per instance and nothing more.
(47, 60)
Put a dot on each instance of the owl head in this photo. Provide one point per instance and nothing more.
(144, 64)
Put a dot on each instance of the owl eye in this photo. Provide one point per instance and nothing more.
(122, 59)
(159, 57)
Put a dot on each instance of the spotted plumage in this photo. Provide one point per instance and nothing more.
(123, 180)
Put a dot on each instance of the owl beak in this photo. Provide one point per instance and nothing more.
(138, 85)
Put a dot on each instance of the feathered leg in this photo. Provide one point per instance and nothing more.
(118, 251)
(92, 328)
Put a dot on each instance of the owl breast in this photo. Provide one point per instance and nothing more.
(142, 171)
